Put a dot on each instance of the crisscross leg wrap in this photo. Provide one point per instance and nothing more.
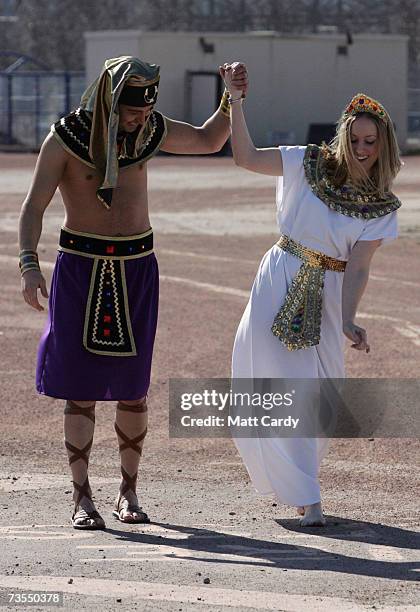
(82, 490)
(78, 439)
(131, 428)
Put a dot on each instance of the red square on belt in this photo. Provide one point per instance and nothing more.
(110, 249)
(107, 318)
(107, 332)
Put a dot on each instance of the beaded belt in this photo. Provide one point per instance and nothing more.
(298, 322)
(107, 326)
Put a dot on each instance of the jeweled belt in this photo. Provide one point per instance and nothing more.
(107, 326)
(298, 322)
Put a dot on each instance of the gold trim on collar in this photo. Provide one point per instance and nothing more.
(346, 199)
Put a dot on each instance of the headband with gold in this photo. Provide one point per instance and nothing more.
(139, 92)
(361, 103)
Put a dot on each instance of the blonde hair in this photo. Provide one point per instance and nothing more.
(344, 165)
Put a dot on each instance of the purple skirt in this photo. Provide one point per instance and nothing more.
(66, 369)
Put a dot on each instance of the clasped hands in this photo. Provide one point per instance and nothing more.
(235, 77)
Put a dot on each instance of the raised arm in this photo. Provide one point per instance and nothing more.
(49, 169)
(187, 139)
(264, 161)
(354, 283)
(210, 137)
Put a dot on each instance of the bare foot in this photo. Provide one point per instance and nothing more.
(127, 509)
(85, 515)
(313, 516)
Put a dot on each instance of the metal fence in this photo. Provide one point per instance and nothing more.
(31, 101)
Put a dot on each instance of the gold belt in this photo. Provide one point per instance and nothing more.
(298, 322)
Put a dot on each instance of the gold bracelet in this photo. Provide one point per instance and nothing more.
(28, 260)
(224, 103)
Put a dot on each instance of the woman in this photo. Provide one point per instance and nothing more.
(334, 208)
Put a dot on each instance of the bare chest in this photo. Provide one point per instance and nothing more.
(84, 212)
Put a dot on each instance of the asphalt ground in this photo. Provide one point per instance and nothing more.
(213, 543)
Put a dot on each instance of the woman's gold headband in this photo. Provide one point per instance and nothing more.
(361, 103)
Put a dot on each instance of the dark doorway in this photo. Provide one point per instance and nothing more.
(203, 92)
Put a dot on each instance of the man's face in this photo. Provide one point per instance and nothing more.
(131, 117)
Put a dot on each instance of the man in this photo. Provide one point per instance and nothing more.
(98, 341)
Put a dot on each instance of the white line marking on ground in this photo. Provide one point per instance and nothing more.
(152, 591)
(207, 286)
(206, 257)
(380, 317)
(351, 466)
(219, 288)
(260, 552)
(345, 533)
(410, 331)
(218, 463)
(34, 534)
(405, 328)
(23, 527)
(34, 482)
(199, 558)
(407, 331)
(251, 556)
(365, 550)
(236, 550)
(171, 536)
(233, 260)
(245, 294)
(255, 262)
(173, 279)
(397, 281)
(385, 553)
(223, 530)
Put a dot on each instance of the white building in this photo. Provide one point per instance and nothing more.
(295, 80)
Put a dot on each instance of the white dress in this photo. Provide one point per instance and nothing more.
(288, 467)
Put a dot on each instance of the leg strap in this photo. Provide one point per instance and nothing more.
(136, 443)
(89, 412)
(79, 453)
(82, 519)
(140, 407)
(83, 490)
(72, 408)
(129, 482)
(130, 442)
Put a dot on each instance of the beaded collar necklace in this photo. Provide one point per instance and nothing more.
(347, 199)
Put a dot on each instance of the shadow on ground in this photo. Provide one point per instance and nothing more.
(266, 553)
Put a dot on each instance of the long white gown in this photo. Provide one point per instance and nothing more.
(287, 468)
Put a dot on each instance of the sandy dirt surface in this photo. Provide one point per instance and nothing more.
(213, 543)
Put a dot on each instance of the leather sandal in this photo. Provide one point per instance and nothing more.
(81, 518)
(123, 506)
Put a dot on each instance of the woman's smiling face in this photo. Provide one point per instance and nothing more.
(364, 142)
